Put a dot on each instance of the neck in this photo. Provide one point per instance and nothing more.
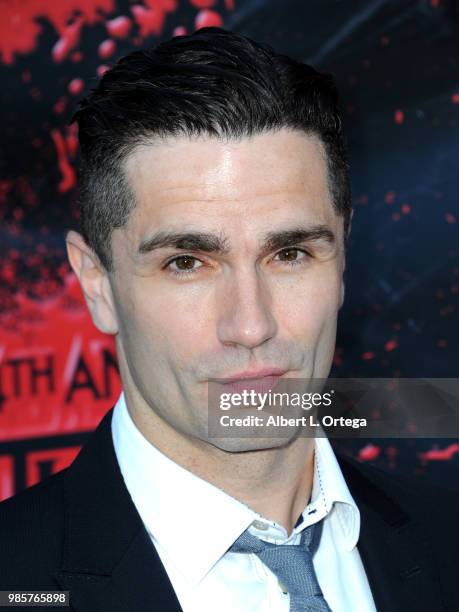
(274, 482)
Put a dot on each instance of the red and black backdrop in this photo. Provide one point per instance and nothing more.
(397, 66)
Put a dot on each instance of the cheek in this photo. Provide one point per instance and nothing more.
(310, 303)
(163, 323)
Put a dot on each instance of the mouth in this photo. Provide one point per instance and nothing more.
(259, 381)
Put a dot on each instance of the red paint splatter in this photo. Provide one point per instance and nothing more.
(390, 345)
(68, 41)
(35, 93)
(435, 3)
(107, 48)
(406, 209)
(391, 386)
(411, 427)
(119, 27)
(391, 453)
(389, 198)
(102, 69)
(76, 86)
(229, 5)
(202, 4)
(9, 272)
(18, 214)
(206, 18)
(62, 13)
(18, 32)
(337, 361)
(76, 57)
(71, 140)
(179, 31)
(368, 355)
(455, 98)
(60, 105)
(151, 18)
(363, 199)
(399, 117)
(450, 218)
(20, 27)
(436, 454)
(68, 179)
(338, 356)
(370, 452)
(5, 188)
(164, 5)
(28, 195)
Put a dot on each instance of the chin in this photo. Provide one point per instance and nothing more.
(244, 445)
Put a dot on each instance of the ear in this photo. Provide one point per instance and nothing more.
(343, 291)
(343, 284)
(350, 224)
(94, 283)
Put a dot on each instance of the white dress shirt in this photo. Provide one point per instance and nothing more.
(192, 524)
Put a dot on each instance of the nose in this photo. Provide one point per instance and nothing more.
(245, 315)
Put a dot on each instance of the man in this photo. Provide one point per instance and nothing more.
(215, 208)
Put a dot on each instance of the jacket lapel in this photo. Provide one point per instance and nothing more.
(394, 548)
(109, 561)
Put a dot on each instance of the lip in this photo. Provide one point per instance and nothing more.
(252, 374)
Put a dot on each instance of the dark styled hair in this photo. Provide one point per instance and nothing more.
(212, 82)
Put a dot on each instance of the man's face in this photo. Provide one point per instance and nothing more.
(246, 288)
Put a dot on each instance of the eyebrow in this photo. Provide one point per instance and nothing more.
(214, 243)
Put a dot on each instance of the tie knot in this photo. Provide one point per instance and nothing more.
(292, 564)
(248, 543)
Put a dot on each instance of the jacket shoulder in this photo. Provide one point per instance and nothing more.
(406, 485)
(398, 499)
(421, 499)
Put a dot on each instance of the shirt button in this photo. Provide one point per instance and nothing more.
(282, 587)
(260, 525)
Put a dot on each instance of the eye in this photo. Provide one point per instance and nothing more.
(291, 256)
(184, 265)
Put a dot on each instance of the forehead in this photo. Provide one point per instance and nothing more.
(181, 180)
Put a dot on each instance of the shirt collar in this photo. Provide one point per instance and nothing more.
(331, 495)
(181, 511)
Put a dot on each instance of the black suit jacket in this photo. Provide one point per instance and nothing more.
(80, 531)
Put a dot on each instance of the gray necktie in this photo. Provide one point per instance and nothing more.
(292, 564)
